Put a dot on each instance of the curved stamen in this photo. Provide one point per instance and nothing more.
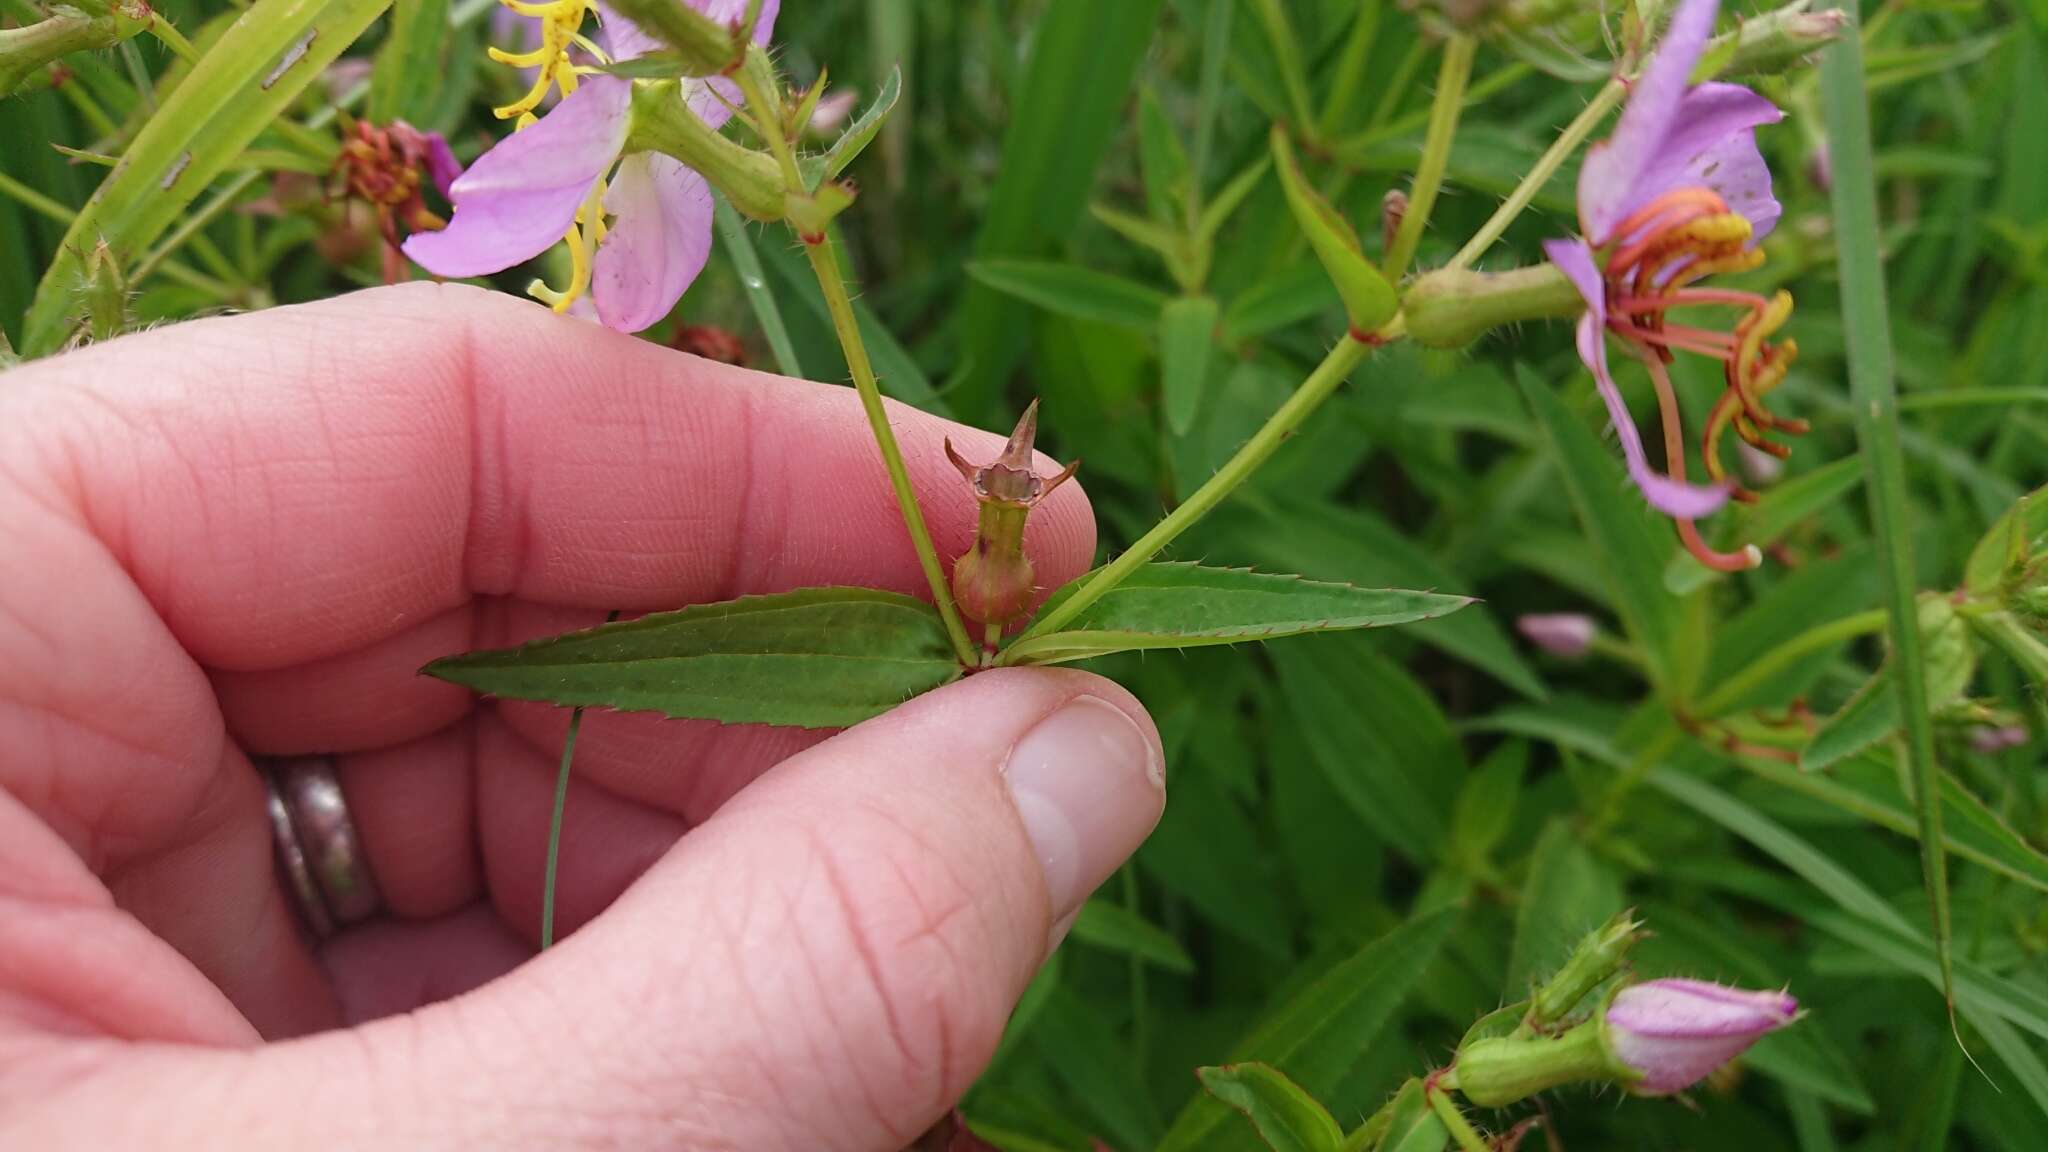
(1674, 463)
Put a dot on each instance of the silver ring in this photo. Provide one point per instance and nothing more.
(325, 867)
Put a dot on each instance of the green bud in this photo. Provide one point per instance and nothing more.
(78, 27)
(1772, 43)
(1496, 1072)
(1597, 958)
(105, 296)
(695, 44)
(1369, 300)
(1451, 307)
(1949, 649)
(663, 123)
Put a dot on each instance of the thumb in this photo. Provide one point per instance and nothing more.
(826, 963)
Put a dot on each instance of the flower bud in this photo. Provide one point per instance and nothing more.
(1774, 42)
(1672, 1033)
(1597, 958)
(1991, 741)
(1451, 307)
(1566, 634)
(992, 581)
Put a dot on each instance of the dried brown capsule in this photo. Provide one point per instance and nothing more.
(992, 581)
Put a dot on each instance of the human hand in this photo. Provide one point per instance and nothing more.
(240, 538)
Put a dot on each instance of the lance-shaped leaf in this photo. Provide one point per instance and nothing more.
(2006, 547)
(814, 658)
(856, 138)
(1070, 290)
(1368, 299)
(1288, 1119)
(1180, 605)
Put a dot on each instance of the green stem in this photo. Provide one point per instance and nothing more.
(1462, 1133)
(757, 81)
(1771, 663)
(1313, 391)
(746, 263)
(1567, 142)
(1874, 390)
(1639, 768)
(1351, 64)
(825, 263)
(1287, 51)
(1482, 90)
(173, 39)
(138, 75)
(1404, 75)
(547, 884)
(184, 274)
(1452, 76)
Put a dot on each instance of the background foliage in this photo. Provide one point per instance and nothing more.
(1375, 838)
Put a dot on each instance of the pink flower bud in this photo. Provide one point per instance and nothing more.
(1673, 1033)
(1558, 633)
(1991, 740)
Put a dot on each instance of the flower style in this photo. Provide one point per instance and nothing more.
(1678, 193)
(1674, 1033)
(638, 225)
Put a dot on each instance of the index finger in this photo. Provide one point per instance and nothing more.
(304, 481)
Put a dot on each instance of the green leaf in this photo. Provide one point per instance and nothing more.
(895, 368)
(1183, 605)
(1870, 715)
(1115, 928)
(1291, 294)
(1207, 852)
(746, 265)
(2017, 534)
(1288, 1119)
(1093, 1063)
(1412, 1125)
(1227, 199)
(406, 79)
(1320, 1032)
(1630, 539)
(1062, 112)
(1164, 163)
(1873, 390)
(1368, 299)
(814, 658)
(1569, 893)
(1775, 513)
(1486, 805)
(1069, 290)
(862, 132)
(1187, 332)
(1378, 737)
(250, 76)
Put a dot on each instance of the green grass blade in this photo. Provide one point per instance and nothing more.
(746, 264)
(1858, 253)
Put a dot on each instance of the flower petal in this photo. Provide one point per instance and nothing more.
(1673, 498)
(713, 98)
(519, 198)
(442, 166)
(1613, 168)
(1675, 1032)
(660, 237)
(1712, 143)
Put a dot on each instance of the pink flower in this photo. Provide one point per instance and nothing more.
(1677, 193)
(1673, 1033)
(530, 190)
(1566, 634)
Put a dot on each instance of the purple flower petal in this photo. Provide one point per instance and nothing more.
(660, 237)
(1676, 1032)
(1712, 143)
(714, 98)
(1673, 498)
(1608, 179)
(521, 196)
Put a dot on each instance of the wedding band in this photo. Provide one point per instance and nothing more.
(325, 868)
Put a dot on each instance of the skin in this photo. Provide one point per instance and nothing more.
(240, 537)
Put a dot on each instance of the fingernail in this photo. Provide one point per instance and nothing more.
(1089, 786)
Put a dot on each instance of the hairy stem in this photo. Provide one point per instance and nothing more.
(1317, 388)
(1553, 158)
(1451, 78)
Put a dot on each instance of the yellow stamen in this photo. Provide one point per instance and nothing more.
(583, 238)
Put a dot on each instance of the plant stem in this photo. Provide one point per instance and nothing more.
(1553, 158)
(1317, 388)
(1365, 26)
(547, 884)
(825, 263)
(1860, 263)
(1452, 75)
(1778, 659)
(757, 81)
(173, 39)
(746, 263)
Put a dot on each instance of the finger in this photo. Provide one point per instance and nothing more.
(301, 482)
(825, 964)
